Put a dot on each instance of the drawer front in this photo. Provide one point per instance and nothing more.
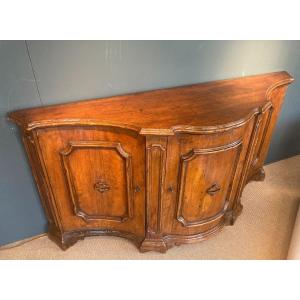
(96, 177)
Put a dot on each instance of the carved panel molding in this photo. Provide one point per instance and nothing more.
(100, 186)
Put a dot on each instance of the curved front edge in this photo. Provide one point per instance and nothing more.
(177, 240)
(164, 242)
(67, 239)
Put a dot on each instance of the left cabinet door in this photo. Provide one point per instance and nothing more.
(95, 178)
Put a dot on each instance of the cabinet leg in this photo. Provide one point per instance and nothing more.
(258, 176)
(64, 241)
(153, 245)
(231, 215)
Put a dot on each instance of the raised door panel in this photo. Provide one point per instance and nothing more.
(95, 177)
(204, 185)
(99, 178)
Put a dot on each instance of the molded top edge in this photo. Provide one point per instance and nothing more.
(204, 107)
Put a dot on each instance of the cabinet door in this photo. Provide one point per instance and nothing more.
(205, 178)
(202, 178)
(96, 177)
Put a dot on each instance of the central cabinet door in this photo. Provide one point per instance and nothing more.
(97, 177)
(205, 176)
(202, 178)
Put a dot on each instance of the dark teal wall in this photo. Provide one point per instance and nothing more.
(48, 72)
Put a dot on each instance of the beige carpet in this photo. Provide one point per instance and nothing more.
(263, 231)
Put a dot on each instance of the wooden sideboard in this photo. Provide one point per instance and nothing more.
(161, 168)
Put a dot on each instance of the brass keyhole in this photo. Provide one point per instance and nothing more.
(170, 189)
(137, 189)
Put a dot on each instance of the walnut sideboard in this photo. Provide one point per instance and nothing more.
(161, 168)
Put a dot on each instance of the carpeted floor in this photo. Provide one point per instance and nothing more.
(263, 231)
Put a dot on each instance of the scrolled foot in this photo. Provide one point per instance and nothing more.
(65, 240)
(258, 176)
(231, 215)
(153, 245)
